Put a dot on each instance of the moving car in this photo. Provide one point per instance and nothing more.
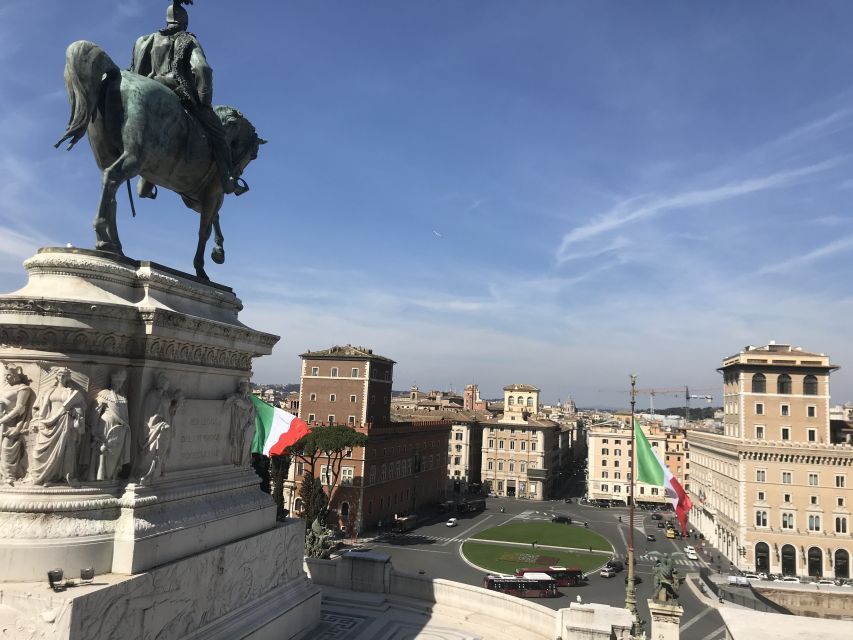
(660, 525)
(650, 538)
(793, 579)
(670, 533)
(689, 549)
(752, 577)
(657, 516)
(691, 555)
(607, 572)
(561, 520)
(451, 523)
(616, 565)
(825, 581)
(637, 579)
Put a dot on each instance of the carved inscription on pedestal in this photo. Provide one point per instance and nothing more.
(201, 436)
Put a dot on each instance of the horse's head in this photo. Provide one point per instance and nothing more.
(242, 137)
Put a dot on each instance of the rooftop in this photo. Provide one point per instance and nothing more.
(346, 352)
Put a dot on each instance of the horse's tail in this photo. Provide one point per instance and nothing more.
(87, 67)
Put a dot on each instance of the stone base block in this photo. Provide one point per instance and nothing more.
(253, 588)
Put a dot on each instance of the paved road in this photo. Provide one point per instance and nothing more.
(434, 550)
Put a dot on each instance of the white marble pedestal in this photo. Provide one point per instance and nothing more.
(666, 620)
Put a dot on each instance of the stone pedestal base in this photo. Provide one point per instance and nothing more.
(253, 588)
(666, 618)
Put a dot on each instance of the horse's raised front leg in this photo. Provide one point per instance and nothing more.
(209, 214)
(106, 231)
(217, 254)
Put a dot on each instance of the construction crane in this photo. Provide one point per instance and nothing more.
(684, 392)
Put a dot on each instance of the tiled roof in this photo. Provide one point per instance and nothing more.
(347, 352)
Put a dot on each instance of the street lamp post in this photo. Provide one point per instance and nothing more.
(630, 595)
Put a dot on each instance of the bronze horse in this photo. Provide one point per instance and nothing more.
(137, 127)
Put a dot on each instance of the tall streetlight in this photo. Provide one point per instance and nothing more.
(630, 596)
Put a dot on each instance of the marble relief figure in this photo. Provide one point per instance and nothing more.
(241, 430)
(110, 444)
(160, 408)
(16, 405)
(59, 426)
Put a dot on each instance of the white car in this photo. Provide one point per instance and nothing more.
(451, 523)
(607, 572)
(752, 577)
(825, 581)
(691, 555)
(689, 549)
(793, 579)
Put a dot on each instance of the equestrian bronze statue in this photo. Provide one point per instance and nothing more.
(159, 128)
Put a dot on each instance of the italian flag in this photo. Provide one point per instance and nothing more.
(652, 470)
(275, 429)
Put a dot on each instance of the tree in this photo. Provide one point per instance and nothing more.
(330, 445)
(314, 500)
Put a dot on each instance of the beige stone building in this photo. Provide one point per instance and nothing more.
(464, 455)
(521, 453)
(608, 459)
(772, 492)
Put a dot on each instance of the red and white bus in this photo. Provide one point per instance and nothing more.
(532, 585)
(564, 577)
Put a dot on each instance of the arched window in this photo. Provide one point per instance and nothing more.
(842, 564)
(520, 401)
(759, 383)
(511, 400)
(810, 386)
(297, 506)
(783, 384)
(530, 402)
(345, 509)
(762, 557)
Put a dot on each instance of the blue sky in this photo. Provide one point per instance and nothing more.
(555, 193)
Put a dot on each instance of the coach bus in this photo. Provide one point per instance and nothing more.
(564, 577)
(532, 585)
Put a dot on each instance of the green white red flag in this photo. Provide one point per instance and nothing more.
(652, 470)
(275, 429)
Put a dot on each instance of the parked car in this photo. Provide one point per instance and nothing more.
(793, 579)
(738, 581)
(452, 522)
(825, 581)
(561, 520)
(650, 538)
(607, 572)
(752, 577)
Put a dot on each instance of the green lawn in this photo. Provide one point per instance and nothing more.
(547, 533)
(503, 558)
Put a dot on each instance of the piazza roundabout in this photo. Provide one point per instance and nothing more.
(507, 547)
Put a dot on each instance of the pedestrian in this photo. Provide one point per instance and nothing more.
(534, 544)
(590, 549)
(579, 599)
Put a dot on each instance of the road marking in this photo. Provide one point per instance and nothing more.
(464, 534)
(410, 549)
(696, 618)
(714, 635)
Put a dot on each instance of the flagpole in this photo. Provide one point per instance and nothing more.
(630, 596)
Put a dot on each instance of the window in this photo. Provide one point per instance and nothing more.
(839, 502)
(511, 467)
(783, 384)
(787, 520)
(491, 465)
(511, 400)
(352, 398)
(605, 487)
(814, 522)
(491, 444)
(334, 372)
(761, 475)
(523, 445)
(523, 467)
(326, 474)
(810, 386)
(759, 383)
(839, 482)
(604, 474)
(760, 496)
(786, 498)
(500, 444)
(759, 408)
(512, 445)
(533, 446)
(315, 371)
(811, 411)
(785, 410)
(500, 466)
(617, 475)
(520, 400)
(813, 500)
(615, 463)
(347, 474)
(840, 524)
(786, 477)
(786, 433)
(331, 419)
(457, 460)
(760, 518)
(311, 417)
(654, 491)
(617, 488)
(354, 372)
(759, 432)
(333, 397)
(530, 402)
(312, 396)
(811, 434)
(605, 452)
(813, 479)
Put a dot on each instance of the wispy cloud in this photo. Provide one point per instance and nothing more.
(637, 208)
(842, 244)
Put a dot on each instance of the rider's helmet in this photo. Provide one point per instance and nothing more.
(177, 17)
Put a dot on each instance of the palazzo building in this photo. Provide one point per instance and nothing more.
(772, 492)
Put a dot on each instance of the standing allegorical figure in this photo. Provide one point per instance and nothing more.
(16, 406)
(59, 426)
(241, 431)
(160, 408)
(110, 449)
(173, 56)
